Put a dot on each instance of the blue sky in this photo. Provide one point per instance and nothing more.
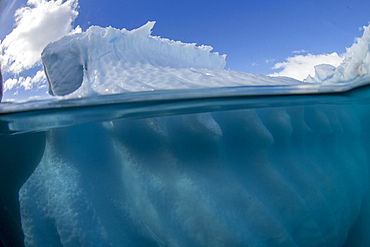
(255, 35)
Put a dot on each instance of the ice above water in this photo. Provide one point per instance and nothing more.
(110, 61)
(354, 68)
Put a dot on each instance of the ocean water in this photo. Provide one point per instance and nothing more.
(186, 169)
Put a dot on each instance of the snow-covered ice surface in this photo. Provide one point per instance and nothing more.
(355, 67)
(111, 61)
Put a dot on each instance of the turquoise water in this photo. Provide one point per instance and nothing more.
(191, 169)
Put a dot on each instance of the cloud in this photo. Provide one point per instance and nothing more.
(300, 66)
(28, 83)
(300, 51)
(10, 83)
(37, 24)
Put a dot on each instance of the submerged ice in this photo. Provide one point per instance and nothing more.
(282, 176)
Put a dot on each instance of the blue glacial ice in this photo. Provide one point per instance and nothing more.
(277, 175)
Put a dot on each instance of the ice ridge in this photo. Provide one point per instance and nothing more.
(355, 67)
(110, 61)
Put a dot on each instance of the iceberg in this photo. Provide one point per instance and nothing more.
(151, 144)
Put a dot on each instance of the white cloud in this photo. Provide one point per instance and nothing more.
(300, 66)
(300, 51)
(28, 83)
(37, 24)
(9, 84)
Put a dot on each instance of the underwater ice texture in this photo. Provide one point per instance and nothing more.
(275, 176)
(291, 175)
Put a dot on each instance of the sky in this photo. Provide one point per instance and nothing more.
(286, 37)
